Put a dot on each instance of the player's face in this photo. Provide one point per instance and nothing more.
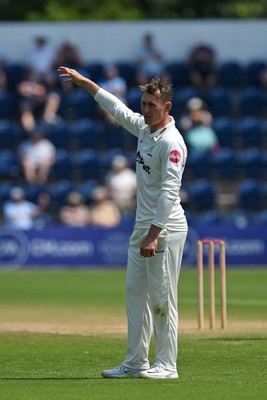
(155, 111)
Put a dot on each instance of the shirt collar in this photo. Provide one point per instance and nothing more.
(158, 134)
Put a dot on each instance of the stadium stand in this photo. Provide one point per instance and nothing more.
(224, 164)
(203, 193)
(87, 143)
(250, 195)
(231, 74)
(253, 70)
(226, 130)
(219, 102)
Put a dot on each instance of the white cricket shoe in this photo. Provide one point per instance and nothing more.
(157, 371)
(122, 371)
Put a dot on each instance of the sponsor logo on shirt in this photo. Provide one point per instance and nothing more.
(149, 153)
(175, 156)
(140, 160)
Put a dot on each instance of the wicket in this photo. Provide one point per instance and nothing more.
(211, 267)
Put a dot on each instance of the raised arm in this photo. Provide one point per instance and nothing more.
(72, 75)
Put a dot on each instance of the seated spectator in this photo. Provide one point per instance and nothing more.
(37, 155)
(74, 213)
(68, 54)
(36, 102)
(40, 57)
(202, 62)
(196, 127)
(19, 213)
(113, 82)
(121, 183)
(150, 60)
(103, 211)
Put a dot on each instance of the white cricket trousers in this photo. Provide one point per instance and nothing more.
(152, 299)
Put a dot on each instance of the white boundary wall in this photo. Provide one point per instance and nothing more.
(241, 40)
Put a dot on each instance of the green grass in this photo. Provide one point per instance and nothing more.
(212, 365)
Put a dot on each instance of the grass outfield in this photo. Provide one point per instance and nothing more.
(59, 329)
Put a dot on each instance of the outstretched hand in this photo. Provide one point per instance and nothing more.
(71, 74)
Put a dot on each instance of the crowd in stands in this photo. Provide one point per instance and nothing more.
(64, 161)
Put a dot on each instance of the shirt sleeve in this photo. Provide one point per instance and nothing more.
(123, 115)
(172, 165)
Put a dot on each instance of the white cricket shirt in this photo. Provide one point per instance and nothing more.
(160, 161)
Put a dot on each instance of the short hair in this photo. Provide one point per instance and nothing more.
(158, 86)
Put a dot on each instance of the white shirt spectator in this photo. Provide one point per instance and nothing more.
(37, 155)
(37, 152)
(113, 82)
(121, 183)
(149, 59)
(40, 58)
(19, 213)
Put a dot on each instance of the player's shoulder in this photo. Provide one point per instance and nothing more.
(173, 135)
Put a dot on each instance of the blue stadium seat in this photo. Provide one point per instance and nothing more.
(132, 159)
(9, 165)
(15, 72)
(88, 133)
(62, 168)
(95, 70)
(8, 105)
(253, 70)
(202, 194)
(210, 218)
(5, 188)
(133, 99)
(264, 105)
(179, 73)
(180, 98)
(191, 218)
(239, 218)
(251, 101)
(60, 190)
(251, 131)
(127, 71)
(7, 134)
(115, 136)
(106, 159)
(224, 163)
(86, 163)
(231, 74)
(250, 163)
(33, 191)
(130, 142)
(260, 219)
(264, 195)
(219, 102)
(198, 164)
(58, 133)
(81, 105)
(226, 131)
(87, 187)
(250, 195)
(264, 165)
